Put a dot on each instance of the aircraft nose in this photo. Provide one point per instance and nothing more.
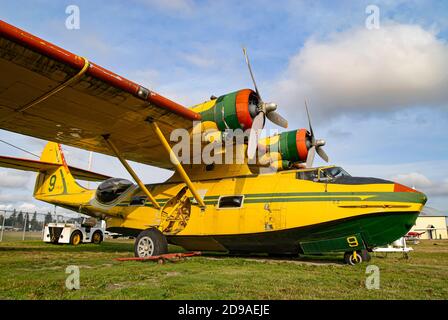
(420, 196)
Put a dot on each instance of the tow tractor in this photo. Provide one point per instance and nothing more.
(89, 231)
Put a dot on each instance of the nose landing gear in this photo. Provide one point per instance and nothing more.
(356, 257)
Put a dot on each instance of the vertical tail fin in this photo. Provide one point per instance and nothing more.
(57, 181)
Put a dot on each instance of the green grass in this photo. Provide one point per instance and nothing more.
(18, 235)
(35, 270)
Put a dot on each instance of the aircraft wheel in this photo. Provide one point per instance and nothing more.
(76, 238)
(97, 237)
(150, 242)
(352, 259)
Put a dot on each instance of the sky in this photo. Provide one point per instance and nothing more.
(376, 81)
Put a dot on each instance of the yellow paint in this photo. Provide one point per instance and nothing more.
(204, 106)
(269, 214)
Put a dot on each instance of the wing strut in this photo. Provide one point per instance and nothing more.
(175, 161)
(130, 171)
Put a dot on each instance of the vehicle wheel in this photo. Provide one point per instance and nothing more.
(351, 259)
(97, 237)
(76, 238)
(150, 242)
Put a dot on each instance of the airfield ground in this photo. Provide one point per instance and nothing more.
(35, 270)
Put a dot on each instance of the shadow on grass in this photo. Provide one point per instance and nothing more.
(128, 247)
(316, 259)
(34, 246)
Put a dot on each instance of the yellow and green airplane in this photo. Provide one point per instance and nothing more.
(272, 203)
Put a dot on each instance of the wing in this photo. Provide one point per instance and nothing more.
(35, 165)
(87, 106)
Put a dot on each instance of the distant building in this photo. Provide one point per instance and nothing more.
(433, 223)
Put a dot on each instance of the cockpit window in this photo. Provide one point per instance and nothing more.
(334, 172)
(111, 189)
(311, 175)
(322, 174)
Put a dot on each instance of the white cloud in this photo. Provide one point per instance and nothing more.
(413, 179)
(13, 179)
(434, 187)
(368, 70)
(6, 207)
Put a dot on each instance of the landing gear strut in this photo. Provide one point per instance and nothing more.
(356, 257)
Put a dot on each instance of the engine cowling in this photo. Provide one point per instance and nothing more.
(292, 146)
(235, 110)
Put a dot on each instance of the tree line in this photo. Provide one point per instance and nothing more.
(18, 218)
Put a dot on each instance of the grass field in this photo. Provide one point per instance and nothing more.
(35, 270)
(18, 235)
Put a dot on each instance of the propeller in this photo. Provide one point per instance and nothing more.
(314, 144)
(263, 110)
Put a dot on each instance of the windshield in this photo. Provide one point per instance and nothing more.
(311, 175)
(333, 173)
(111, 189)
(322, 175)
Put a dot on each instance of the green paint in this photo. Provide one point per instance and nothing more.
(341, 244)
(64, 184)
(288, 146)
(411, 197)
(223, 113)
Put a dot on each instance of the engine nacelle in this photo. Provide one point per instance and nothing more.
(291, 145)
(235, 110)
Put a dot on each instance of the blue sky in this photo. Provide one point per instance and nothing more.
(379, 97)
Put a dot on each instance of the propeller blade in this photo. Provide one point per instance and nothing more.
(251, 73)
(310, 157)
(257, 126)
(277, 119)
(322, 154)
(309, 119)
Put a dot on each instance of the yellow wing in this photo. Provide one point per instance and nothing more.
(52, 94)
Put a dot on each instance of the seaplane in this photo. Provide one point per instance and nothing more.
(264, 197)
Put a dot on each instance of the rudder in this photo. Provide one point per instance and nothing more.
(55, 181)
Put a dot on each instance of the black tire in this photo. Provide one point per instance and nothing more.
(97, 237)
(150, 242)
(73, 238)
(350, 259)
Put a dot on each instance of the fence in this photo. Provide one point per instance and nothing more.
(16, 225)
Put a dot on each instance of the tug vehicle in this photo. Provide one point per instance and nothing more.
(89, 231)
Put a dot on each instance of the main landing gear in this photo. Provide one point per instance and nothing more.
(357, 257)
(150, 242)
